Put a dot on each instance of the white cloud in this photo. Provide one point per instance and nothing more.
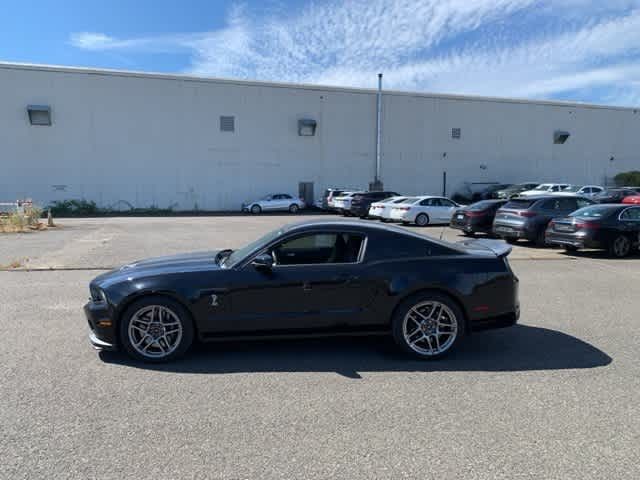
(530, 48)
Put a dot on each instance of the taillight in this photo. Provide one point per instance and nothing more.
(404, 209)
(527, 213)
(587, 225)
(476, 214)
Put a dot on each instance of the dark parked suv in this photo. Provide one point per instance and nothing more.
(528, 217)
(361, 202)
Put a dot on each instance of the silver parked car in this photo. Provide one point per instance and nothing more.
(275, 202)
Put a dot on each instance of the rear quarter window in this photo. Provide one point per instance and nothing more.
(391, 246)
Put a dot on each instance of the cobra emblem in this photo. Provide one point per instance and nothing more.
(214, 300)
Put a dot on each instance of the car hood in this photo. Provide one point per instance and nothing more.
(187, 262)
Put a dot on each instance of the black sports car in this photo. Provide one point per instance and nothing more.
(309, 278)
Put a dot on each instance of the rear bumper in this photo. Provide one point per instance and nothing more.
(513, 231)
(101, 326)
(571, 240)
(359, 211)
(502, 321)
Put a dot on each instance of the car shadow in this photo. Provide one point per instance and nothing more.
(518, 348)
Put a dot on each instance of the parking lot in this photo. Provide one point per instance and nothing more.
(557, 396)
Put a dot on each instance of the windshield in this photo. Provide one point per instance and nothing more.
(544, 186)
(238, 255)
(410, 200)
(594, 211)
(574, 188)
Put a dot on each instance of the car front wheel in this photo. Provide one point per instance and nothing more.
(156, 329)
(256, 209)
(428, 325)
(294, 208)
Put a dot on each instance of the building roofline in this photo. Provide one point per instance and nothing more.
(302, 86)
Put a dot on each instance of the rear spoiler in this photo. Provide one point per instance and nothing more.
(499, 248)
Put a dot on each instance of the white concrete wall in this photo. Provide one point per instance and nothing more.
(156, 140)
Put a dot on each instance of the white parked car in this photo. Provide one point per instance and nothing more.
(275, 202)
(342, 203)
(424, 210)
(382, 208)
(545, 188)
(582, 190)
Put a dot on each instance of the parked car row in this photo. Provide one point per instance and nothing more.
(527, 189)
(570, 222)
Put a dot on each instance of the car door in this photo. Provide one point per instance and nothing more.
(630, 222)
(313, 284)
(448, 207)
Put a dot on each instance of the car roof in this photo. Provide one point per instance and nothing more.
(361, 226)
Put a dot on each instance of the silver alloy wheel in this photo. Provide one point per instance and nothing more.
(621, 246)
(430, 328)
(155, 331)
(293, 208)
(422, 220)
(256, 209)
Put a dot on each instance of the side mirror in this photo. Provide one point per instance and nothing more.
(263, 262)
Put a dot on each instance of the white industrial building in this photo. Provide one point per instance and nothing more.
(122, 138)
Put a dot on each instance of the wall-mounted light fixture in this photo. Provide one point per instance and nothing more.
(39, 115)
(560, 137)
(306, 127)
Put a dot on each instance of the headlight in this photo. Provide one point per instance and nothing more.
(97, 295)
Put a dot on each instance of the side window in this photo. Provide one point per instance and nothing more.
(567, 204)
(426, 202)
(551, 204)
(631, 214)
(319, 248)
(581, 202)
(446, 203)
(285, 196)
(555, 188)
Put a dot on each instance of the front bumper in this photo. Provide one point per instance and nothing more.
(102, 334)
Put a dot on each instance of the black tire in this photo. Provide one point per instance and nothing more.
(422, 220)
(620, 246)
(176, 308)
(256, 209)
(511, 240)
(402, 311)
(293, 208)
(570, 248)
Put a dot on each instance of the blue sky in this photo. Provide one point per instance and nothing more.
(582, 50)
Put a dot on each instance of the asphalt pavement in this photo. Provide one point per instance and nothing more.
(557, 396)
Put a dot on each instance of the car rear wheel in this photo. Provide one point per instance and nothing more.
(422, 219)
(620, 246)
(428, 325)
(511, 240)
(255, 209)
(293, 208)
(156, 329)
(570, 248)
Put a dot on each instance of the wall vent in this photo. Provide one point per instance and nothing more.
(227, 124)
(456, 133)
(39, 115)
(560, 137)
